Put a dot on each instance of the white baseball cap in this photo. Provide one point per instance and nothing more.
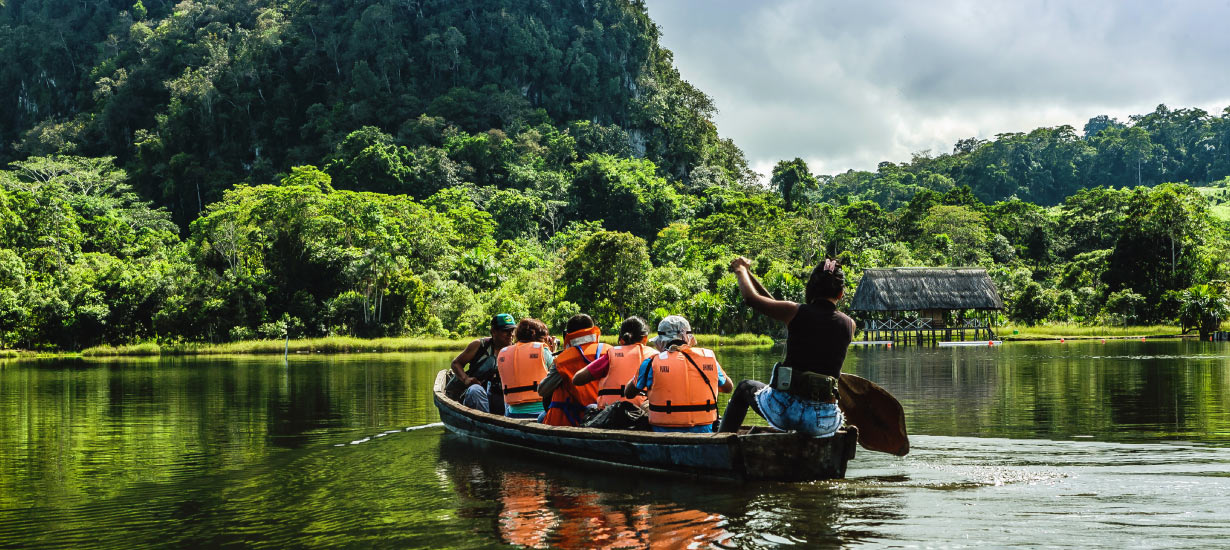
(670, 328)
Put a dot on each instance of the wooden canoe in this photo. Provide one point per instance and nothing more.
(757, 453)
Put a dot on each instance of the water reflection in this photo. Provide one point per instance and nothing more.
(578, 507)
(1024, 443)
(1117, 391)
(540, 504)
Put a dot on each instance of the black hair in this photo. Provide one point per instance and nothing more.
(633, 330)
(532, 330)
(577, 322)
(825, 283)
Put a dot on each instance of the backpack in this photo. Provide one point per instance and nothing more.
(621, 415)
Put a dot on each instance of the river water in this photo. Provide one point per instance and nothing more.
(1079, 445)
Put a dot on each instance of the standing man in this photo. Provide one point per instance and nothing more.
(471, 384)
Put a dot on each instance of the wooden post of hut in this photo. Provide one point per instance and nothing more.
(932, 296)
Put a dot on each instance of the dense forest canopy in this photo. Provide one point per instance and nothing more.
(227, 169)
(1047, 165)
(194, 97)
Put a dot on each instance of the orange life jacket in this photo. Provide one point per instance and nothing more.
(625, 362)
(568, 402)
(680, 397)
(522, 367)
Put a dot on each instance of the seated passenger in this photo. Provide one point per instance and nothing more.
(568, 401)
(617, 368)
(474, 386)
(682, 381)
(523, 366)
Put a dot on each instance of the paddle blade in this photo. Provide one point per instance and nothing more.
(878, 415)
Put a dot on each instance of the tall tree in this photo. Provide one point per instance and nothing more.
(792, 179)
(606, 276)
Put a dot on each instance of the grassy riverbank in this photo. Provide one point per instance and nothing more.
(347, 344)
(331, 344)
(1081, 332)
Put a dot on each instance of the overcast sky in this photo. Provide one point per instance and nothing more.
(849, 84)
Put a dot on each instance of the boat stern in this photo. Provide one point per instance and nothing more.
(797, 457)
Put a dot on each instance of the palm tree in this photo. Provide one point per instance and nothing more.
(1203, 307)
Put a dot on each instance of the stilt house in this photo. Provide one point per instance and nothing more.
(919, 304)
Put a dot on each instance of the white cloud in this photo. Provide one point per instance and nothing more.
(846, 85)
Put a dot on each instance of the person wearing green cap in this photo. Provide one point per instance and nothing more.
(471, 385)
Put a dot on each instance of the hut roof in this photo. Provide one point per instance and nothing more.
(920, 288)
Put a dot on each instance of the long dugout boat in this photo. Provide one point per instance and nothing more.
(754, 453)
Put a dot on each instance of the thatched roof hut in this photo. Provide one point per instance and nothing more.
(925, 288)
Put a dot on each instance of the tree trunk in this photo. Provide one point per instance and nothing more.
(1207, 327)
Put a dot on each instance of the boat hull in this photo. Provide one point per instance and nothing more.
(763, 454)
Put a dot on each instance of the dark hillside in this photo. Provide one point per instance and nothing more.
(196, 96)
(219, 170)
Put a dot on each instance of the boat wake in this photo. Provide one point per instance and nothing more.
(382, 434)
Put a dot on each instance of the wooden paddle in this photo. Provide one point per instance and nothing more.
(878, 415)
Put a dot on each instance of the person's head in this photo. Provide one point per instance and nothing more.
(577, 322)
(502, 328)
(673, 329)
(532, 330)
(633, 331)
(827, 282)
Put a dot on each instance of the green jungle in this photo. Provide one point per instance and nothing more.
(225, 170)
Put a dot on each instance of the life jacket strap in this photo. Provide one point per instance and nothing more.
(572, 411)
(668, 408)
(611, 391)
(597, 353)
(531, 387)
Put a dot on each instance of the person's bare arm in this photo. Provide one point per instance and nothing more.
(752, 290)
(760, 289)
(464, 358)
(582, 377)
(550, 384)
(727, 384)
(630, 390)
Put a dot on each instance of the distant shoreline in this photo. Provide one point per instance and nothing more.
(343, 345)
(1064, 331)
(331, 345)
(1019, 338)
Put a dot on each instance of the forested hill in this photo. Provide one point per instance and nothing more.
(225, 169)
(1046, 165)
(196, 96)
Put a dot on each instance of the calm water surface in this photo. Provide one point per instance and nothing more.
(1117, 445)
